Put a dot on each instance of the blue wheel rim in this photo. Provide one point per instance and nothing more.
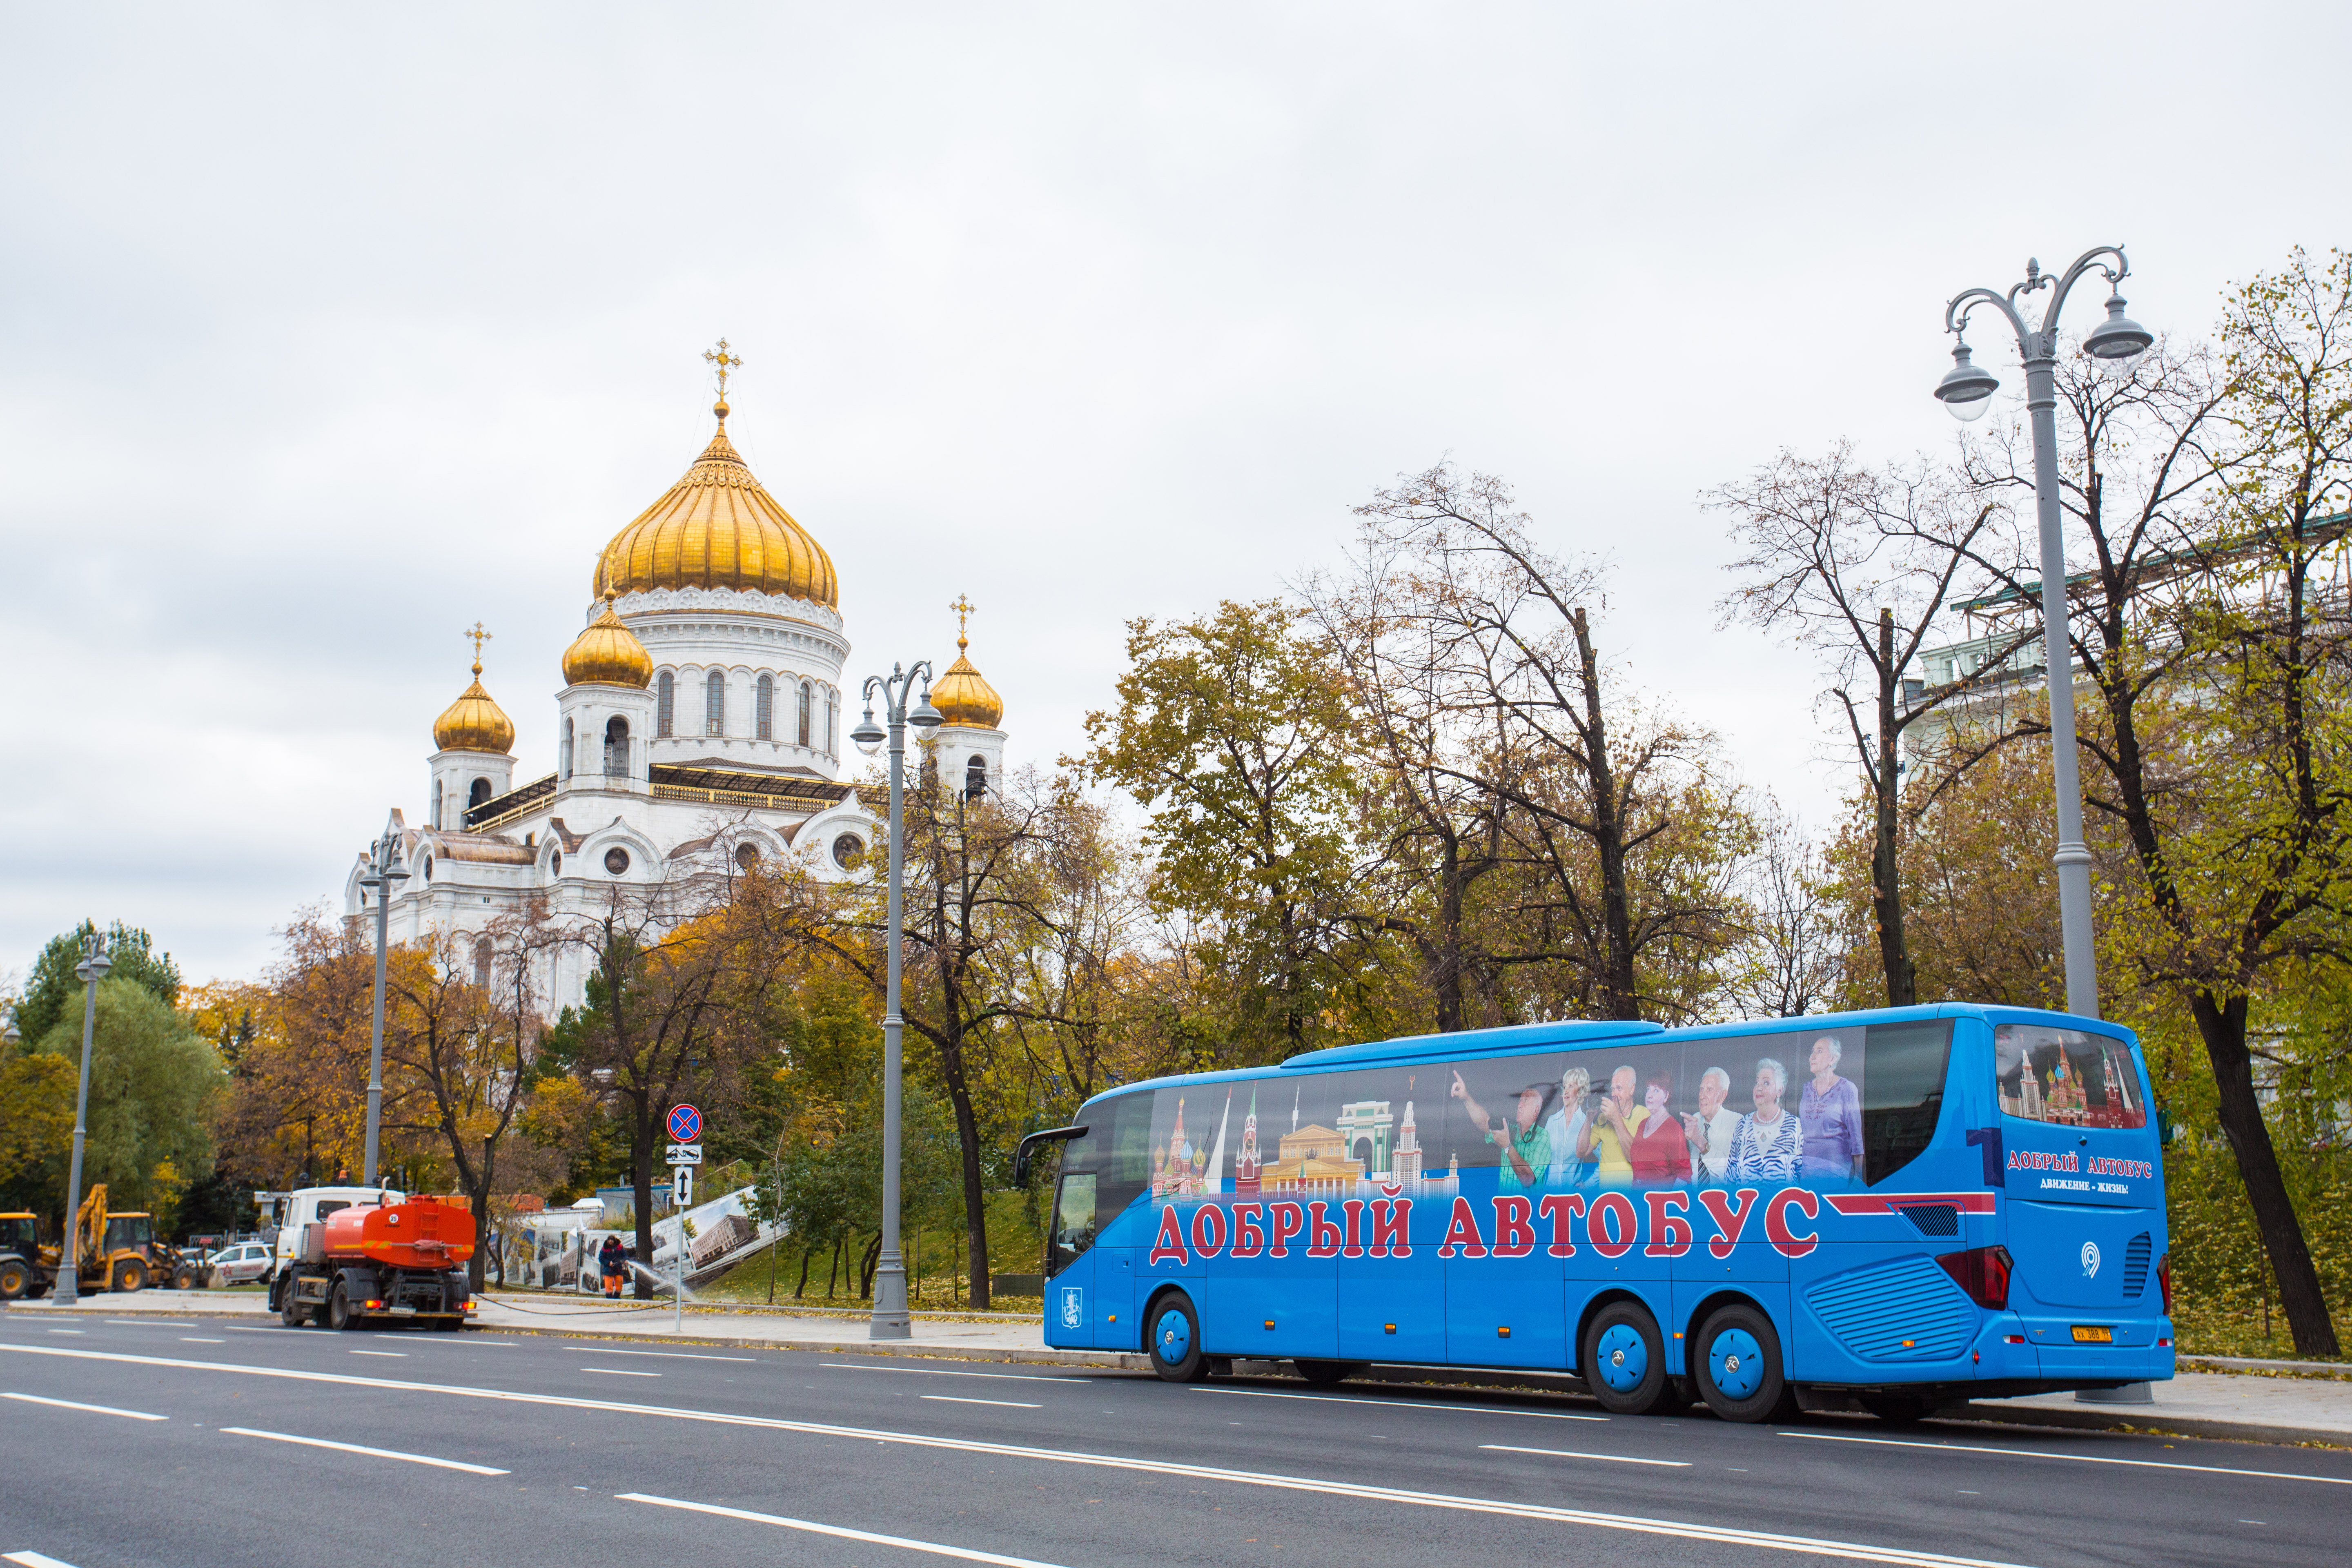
(1623, 1357)
(1171, 1338)
(1736, 1363)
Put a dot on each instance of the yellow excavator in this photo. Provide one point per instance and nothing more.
(111, 1252)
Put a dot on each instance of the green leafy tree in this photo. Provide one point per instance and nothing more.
(152, 1084)
(53, 989)
(1232, 731)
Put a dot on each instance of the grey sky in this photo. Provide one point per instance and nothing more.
(325, 331)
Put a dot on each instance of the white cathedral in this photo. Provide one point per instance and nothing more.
(701, 716)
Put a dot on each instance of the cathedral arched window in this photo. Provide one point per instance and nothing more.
(482, 960)
(832, 717)
(714, 703)
(764, 709)
(566, 758)
(665, 705)
(805, 695)
(975, 778)
(478, 793)
(616, 748)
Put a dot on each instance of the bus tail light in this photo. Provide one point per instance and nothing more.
(2164, 1280)
(1982, 1272)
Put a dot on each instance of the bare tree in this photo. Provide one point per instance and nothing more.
(1792, 941)
(1505, 632)
(1856, 563)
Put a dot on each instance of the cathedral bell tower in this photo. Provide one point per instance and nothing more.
(473, 749)
(604, 713)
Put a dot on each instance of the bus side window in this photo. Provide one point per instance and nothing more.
(1125, 1160)
(1903, 1066)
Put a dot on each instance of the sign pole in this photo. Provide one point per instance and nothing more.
(685, 1153)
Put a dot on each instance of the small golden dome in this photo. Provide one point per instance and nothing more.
(607, 654)
(716, 528)
(963, 695)
(474, 722)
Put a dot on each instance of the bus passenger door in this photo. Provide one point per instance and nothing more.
(1070, 1296)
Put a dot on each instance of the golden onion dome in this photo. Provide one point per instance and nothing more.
(718, 527)
(474, 722)
(607, 654)
(963, 695)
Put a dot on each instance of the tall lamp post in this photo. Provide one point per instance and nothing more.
(384, 870)
(1966, 392)
(92, 969)
(890, 1320)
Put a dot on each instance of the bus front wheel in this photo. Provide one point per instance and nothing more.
(1739, 1358)
(1624, 1360)
(1176, 1352)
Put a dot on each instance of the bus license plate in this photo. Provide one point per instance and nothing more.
(2087, 1335)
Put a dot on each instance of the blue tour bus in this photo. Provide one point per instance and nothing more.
(1912, 1207)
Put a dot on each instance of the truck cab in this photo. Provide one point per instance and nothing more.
(310, 1206)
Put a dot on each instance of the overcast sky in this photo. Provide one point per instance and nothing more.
(325, 331)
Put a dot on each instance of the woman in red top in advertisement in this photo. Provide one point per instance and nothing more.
(1660, 1153)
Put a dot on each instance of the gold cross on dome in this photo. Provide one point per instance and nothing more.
(725, 361)
(479, 637)
(964, 607)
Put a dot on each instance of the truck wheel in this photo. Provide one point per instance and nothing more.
(338, 1309)
(184, 1280)
(291, 1312)
(16, 1281)
(131, 1275)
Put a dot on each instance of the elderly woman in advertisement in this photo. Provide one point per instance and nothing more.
(1769, 1146)
(1830, 1114)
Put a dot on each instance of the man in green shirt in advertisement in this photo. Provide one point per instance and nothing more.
(1525, 1143)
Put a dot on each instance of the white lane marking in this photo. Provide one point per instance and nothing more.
(2080, 1458)
(199, 1340)
(1902, 1557)
(65, 1330)
(33, 1560)
(943, 1371)
(359, 1448)
(72, 1405)
(933, 1547)
(396, 1355)
(1406, 1404)
(1564, 1454)
(619, 1372)
(148, 1323)
(1008, 1404)
(679, 1356)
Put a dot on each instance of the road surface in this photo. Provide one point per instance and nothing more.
(163, 1442)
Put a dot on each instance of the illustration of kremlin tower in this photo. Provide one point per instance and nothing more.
(1245, 1169)
(1406, 1161)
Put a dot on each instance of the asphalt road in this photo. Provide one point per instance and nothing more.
(191, 1444)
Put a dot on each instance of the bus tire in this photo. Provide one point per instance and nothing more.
(1737, 1358)
(1327, 1373)
(1175, 1338)
(1624, 1360)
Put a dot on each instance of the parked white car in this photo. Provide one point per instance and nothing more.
(238, 1264)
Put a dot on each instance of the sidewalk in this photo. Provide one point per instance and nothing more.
(2247, 1407)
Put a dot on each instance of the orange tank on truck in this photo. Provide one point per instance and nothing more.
(418, 1233)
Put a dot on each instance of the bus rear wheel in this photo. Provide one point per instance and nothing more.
(1739, 1369)
(1175, 1329)
(1624, 1360)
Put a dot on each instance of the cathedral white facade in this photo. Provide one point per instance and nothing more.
(704, 710)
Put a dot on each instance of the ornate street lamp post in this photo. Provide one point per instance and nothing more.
(92, 969)
(890, 1320)
(1967, 391)
(384, 870)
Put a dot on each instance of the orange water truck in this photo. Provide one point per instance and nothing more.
(394, 1259)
